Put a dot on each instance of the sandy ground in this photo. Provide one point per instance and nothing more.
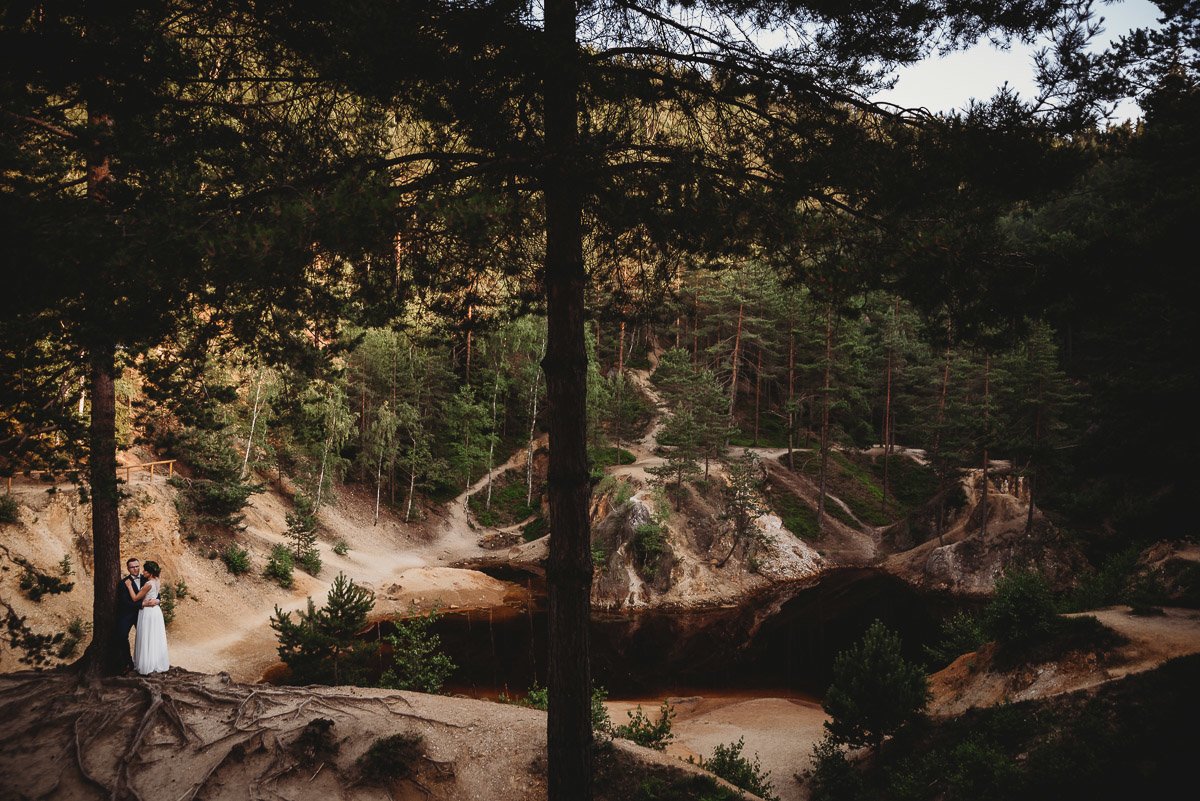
(223, 623)
(781, 731)
(183, 735)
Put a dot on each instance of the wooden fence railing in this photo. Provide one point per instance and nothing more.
(128, 468)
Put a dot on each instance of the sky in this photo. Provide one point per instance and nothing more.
(950, 82)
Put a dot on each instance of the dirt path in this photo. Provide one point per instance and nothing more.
(1152, 640)
(404, 567)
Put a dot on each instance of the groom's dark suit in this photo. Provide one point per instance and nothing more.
(127, 615)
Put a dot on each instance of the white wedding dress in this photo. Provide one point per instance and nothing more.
(150, 644)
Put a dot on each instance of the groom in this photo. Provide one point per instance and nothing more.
(127, 608)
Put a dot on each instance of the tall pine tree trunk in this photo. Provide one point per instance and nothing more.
(1029, 468)
(791, 401)
(987, 372)
(412, 477)
(492, 438)
(470, 313)
(104, 655)
(937, 438)
(737, 344)
(378, 486)
(757, 394)
(887, 422)
(253, 424)
(569, 568)
(533, 403)
(825, 416)
(620, 385)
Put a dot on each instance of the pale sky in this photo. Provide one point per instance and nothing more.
(950, 82)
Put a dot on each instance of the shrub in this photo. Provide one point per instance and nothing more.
(322, 645)
(418, 662)
(221, 499)
(539, 698)
(648, 546)
(279, 567)
(302, 534)
(64, 566)
(310, 561)
(315, 743)
(181, 589)
(728, 763)
(391, 758)
(960, 633)
(643, 731)
(979, 770)
(833, 778)
(8, 509)
(534, 529)
(1107, 585)
(1022, 610)
(166, 602)
(341, 548)
(875, 690)
(681, 788)
(237, 559)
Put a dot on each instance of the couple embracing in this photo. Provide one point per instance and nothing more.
(138, 605)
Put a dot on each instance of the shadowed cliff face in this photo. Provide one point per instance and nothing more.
(780, 638)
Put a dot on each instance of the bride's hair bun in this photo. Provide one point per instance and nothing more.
(152, 568)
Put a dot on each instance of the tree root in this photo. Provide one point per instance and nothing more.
(107, 730)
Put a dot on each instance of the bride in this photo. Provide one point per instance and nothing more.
(150, 643)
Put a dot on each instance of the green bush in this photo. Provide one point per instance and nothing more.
(166, 602)
(341, 548)
(508, 503)
(1022, 610)
(796, 516)
(607, 457)
(391, 758)
(833, 778)
(236, 559)
(980, 770)
(279, 567)
(221, 499)
(1107, 585)
(418, 662)
(875, 690)
(960, 634)
(683, 788)
(310, 562)
(649, 543)
(322, 646)
(8, 509)
(539, 698)
(642, 730)
(535, 529)
(728, 762)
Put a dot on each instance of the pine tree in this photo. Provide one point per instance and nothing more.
(743, 504)
(680, 433)
(875, 690)
(322, 646)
